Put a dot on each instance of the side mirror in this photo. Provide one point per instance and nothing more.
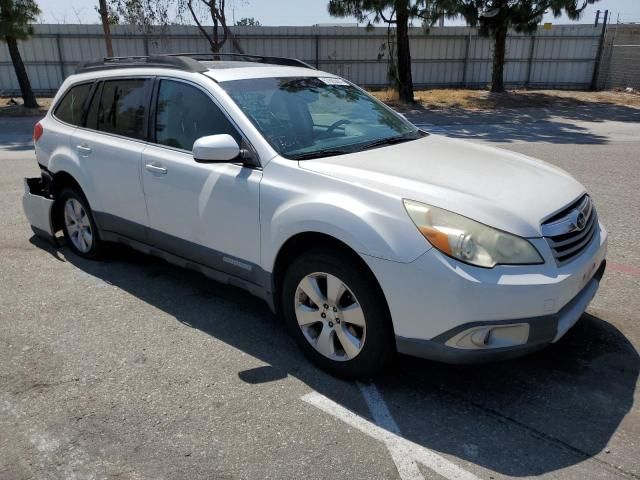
(216, 148)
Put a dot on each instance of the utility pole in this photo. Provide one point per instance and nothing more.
(596, 66)
(104, 14)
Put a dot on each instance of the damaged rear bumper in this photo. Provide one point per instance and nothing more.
(37, 206)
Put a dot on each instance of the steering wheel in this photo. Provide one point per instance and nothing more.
(335, 125)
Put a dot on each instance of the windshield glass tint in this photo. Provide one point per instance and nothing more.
(306, 117)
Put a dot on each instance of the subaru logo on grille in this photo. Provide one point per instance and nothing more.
(578, 220)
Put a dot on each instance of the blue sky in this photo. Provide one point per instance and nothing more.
(300, 12)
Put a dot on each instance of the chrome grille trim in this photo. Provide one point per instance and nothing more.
(566, 221)
(573, 238)
(571, 230)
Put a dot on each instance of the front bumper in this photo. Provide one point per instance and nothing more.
(541, 332)
(456, 313)
(37, 207)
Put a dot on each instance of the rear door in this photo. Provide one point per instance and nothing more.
(110, 146)
(205, 212)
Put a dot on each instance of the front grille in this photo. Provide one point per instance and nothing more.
(571, 230)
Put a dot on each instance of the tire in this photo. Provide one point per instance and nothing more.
(336, 342)
(73, 209)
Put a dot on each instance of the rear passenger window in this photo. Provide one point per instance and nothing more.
(121, 108)
(184, 113)
(70, 109)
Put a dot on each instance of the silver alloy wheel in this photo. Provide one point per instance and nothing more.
(78, 225)
(330, 316)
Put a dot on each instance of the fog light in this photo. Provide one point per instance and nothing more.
(491, 336)
(480, 337)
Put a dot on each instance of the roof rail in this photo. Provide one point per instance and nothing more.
(182, 61)
(285, 61)
(161, 61)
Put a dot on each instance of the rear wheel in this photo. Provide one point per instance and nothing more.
(78, 225)
(336, 313)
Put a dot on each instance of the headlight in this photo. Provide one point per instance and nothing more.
(470, 241)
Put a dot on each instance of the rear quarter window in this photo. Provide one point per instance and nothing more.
(71, 107)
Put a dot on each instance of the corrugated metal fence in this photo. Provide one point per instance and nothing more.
(560, 57)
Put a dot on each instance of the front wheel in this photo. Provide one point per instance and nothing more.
(336, 313)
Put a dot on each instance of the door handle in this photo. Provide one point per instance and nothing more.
(84, 149)
(155, 168)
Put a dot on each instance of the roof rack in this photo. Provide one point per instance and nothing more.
(182, 61)
(162, 61)
(285, 61)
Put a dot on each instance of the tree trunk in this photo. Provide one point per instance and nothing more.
(104, 14)
(23, 79)
(405, 81)
(215, 45)
(499, 49)
(235, 42)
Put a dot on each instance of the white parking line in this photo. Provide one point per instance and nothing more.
(406, 465)
(405, 453)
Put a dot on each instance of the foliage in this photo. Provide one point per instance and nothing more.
(16, 17)
(145, 14)
(112, 15)
(398, 13)
(377, 11)
(248, 22)
(494, 18)
(521, 15)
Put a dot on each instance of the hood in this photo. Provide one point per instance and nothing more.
(502, 189)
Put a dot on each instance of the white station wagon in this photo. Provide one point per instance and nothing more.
(366, 234)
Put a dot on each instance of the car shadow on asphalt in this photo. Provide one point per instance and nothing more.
(547, 411)
(550, 125)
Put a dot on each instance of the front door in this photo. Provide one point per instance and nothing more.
(204, 212)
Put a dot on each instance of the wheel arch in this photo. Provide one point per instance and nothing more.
(306, 241)
(59, 181)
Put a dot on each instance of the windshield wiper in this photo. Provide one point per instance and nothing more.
(319, 154)
(389, 141)
(357, 148)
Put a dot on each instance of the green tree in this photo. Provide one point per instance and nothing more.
(16, 17)
(144, 14)
(495, 17)
(392, 12)
(248, 22)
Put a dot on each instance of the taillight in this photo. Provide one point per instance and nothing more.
(37, 131)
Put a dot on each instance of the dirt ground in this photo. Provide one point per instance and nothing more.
(12, 107)
(484, 100)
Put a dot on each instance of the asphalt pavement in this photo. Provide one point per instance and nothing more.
(134, 369)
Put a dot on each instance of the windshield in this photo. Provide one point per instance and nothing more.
(312, 117)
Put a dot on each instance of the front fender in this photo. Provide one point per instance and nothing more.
(369, 222)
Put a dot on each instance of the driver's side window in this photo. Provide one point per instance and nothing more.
(184, 113)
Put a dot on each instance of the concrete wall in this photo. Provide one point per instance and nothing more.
(560, 57)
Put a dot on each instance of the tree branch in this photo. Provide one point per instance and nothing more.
(380, 13)
(200, 27)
